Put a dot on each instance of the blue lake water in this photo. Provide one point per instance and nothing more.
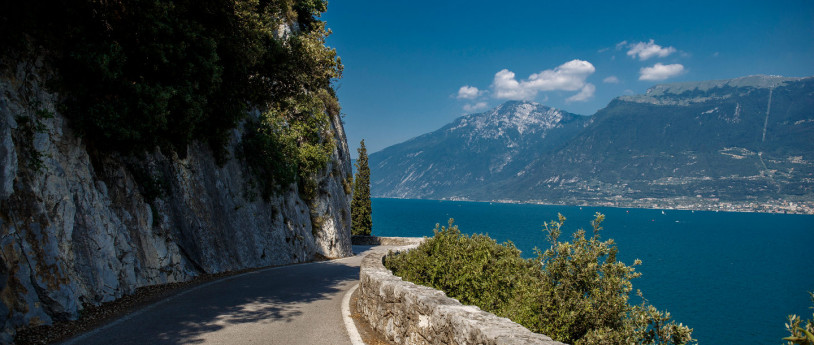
(732, 277)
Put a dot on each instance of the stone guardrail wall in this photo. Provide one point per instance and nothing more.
(406, 313)
(386, 241)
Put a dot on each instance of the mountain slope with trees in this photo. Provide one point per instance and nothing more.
(698, 145)
(472, 151)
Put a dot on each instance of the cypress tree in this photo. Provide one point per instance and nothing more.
(360, 210)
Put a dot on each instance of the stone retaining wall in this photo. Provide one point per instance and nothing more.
(406, 313)
(386, 241)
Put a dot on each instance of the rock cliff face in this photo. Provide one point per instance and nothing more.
(77, 230)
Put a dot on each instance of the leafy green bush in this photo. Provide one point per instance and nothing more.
(136, 75)
(30, 126)
(473, 269)
(800, 335)
(286, 147)
(575, 292)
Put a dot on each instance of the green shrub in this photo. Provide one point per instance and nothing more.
(800, 335)
(283, 147)
(575, 292)
(136, 75)
(473, 269)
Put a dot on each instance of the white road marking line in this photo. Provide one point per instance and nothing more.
(355, 338)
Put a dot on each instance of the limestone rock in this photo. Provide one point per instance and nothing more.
(77, 231)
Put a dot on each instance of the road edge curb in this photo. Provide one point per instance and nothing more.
(353, 333)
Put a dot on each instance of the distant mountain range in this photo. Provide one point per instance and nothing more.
(740, 144)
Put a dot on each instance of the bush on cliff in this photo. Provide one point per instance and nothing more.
(136, 75)
(575, 292)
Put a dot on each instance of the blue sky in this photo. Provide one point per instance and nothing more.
(413, 66)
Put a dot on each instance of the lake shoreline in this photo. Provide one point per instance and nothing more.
(679, 204)
(724, 274)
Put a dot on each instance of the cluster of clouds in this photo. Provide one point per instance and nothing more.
(660, 71)
(468, 92)
(570, 76)
(471, 93)
(646, 50)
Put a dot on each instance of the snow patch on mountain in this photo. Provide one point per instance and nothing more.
(520, 117)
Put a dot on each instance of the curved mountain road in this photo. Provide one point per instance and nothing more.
(297, 304)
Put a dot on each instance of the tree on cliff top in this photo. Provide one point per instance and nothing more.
(134, 76)
(360, 210)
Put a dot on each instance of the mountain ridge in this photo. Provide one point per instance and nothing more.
(703, 145)
(503, 126)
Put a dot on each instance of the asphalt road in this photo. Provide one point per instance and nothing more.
(297, 304)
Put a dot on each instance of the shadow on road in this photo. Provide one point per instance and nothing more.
(260, 298)
(362, 249)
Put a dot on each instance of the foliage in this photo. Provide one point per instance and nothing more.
(134, 76)
(473, 269)
(283, 147)
(360, 207)
(575, 292)
(587, 294)
(29, 127)
(151, 184)
(346, 184)
(799, 335)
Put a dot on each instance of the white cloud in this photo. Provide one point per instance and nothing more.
(611, 80)
(586, 92)
(647, 50)
(468, 92)
(569, 76)
(621, 45)
(505, 86)
(660, 72)
(475, 107)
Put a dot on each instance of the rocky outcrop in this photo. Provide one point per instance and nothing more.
(76, 229)
(406, 313)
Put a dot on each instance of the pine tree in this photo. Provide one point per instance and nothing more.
(360, 210)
